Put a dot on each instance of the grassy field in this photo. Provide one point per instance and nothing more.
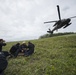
(53, 56)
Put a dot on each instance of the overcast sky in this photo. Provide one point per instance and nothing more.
(24, 19)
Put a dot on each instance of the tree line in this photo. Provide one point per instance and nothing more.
(55, 34)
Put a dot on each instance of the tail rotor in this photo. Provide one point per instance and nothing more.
(49, 31)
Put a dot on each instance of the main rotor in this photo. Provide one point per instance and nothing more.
(59, 15)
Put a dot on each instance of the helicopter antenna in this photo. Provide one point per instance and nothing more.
(58, 12)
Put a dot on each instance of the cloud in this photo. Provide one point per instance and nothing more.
(23, 19)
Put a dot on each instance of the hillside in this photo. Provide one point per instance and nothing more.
(53, 56)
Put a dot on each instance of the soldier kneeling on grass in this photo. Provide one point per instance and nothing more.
(14, 50)
(30, 49)
(22, 48)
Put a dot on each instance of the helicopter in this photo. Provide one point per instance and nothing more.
(60, 23)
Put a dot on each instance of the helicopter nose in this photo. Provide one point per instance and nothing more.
(69, 20)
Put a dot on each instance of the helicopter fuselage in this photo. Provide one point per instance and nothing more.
(61, 23)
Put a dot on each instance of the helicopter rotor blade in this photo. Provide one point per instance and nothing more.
(58, 12)
(73, 17)
(50, 22)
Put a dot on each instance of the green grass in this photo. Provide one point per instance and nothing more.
(53, 56)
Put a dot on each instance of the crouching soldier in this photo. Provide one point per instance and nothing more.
(3, 63)
(14, 50)
(30, 49)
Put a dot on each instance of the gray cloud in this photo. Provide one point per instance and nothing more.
(23, 19)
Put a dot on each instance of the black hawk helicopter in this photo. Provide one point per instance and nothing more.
(60, 23)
